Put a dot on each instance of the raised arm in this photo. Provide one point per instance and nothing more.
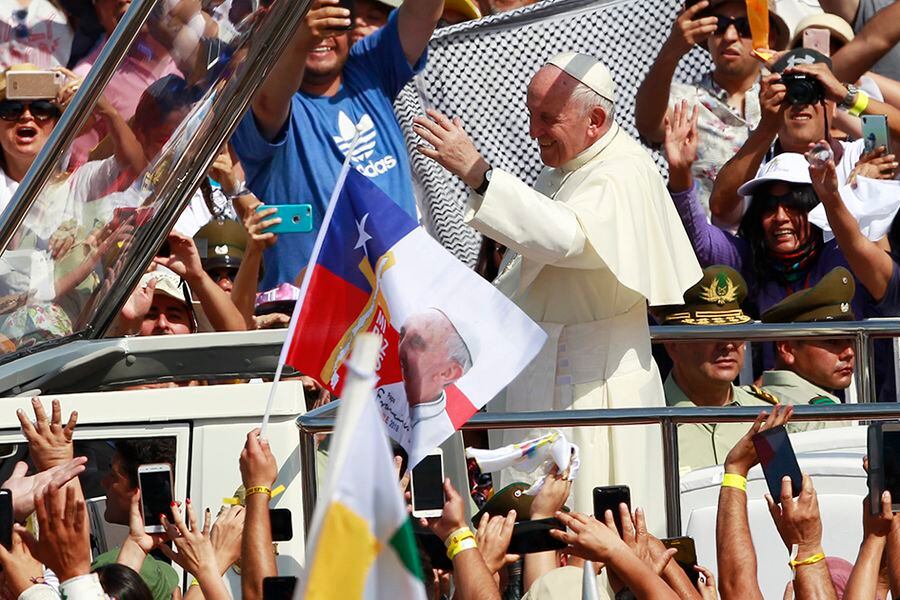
(879, 35)
(243, 294)
(549, 500)
(711, 245)
(258, 473)
(724, 202)
(651, 103)
(871, 265)
(416, 22)
(863, 582)
(272, 104)
(734, 546)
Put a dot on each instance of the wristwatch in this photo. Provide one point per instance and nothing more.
(481, 189)
(850, 99)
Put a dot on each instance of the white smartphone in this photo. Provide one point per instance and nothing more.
(155, 481)
(817, 39)
(427, 485)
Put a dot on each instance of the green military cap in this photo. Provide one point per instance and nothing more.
(828, 300)
(221, 244)
(714, 300)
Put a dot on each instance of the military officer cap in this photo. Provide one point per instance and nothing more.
(714, 300)
(828, 300)
(512, 497)
(221, 244)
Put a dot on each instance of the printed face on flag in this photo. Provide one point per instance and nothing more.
(451, 341)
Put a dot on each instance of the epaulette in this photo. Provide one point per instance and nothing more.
(763, 395)
(821, 400)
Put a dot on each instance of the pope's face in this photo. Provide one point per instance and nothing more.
(424, 360)
(826, 363)
(559, 125)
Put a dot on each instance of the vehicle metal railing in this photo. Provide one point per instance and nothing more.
(668, 418)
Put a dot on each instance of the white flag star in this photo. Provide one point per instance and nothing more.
(363, 236)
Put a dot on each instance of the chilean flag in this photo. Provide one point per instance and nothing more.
(377, 271)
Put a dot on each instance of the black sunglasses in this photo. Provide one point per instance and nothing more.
(799, 198)
(741, 24)
(41, 110)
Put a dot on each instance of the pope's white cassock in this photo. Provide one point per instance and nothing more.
(593, 241)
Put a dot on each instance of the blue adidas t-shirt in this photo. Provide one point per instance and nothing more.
(302, 163)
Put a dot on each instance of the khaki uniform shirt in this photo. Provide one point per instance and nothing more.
(705, 444)
(791, 388)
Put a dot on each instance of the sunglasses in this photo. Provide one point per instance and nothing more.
(41, 110)
(797, 199)
(741, 25)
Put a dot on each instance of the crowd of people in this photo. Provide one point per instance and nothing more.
(776, 205)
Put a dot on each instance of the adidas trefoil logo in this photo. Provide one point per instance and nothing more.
(365, 148)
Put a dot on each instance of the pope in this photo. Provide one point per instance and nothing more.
(591, 243)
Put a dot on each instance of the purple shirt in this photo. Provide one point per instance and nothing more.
(716, 247)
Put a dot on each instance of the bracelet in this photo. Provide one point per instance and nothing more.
(733, 480)
(456, 535)
(243, 191)
(258, 489)
(466, 543)
(862, 102)
(820, 556)
(194, 582)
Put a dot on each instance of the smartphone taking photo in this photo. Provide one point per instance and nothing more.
(155, 482)
(6, 518)
(609, 497)
(282, 527)
(279, 588)
(777, 458)
(426, 485)
(686, 555)
(884, 465)
(534, 536)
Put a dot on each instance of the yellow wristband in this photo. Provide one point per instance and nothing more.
(467, 543)
(457, 535)
(733, 480)
(194, 582)
(860, 104)
(807, 561)
(258, 489)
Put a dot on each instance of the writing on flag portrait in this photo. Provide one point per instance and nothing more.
(451, 341)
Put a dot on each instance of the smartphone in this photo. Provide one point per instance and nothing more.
(686, 557)
(817, 39)
(875, 132)
(884, 464)
(427, 485)
(295, 218)
(33, 85)
(282, 526)
(777, 458)
(534, 536)
(351, 6)
(279, 588)
(608, 498)
(155, 481)
(6, 518)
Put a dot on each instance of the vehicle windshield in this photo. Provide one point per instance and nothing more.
(86, 233)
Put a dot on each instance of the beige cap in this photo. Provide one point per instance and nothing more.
(588, 70)
(839, 28)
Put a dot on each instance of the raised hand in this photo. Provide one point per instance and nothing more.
(184, 259)
(876, 164)
(453, 516)
(451, 146)
(706, 584)
(194, 551)
(742, 456)
(681, 136)
(258, 467)
(552, 496)
(49, 441)
(589, 538)
(256, 222)
(797, 519)
(325, 19)
(493, 536)
(25, 488)
(64, 544)
(771, 100)
(20, 568)
(226, 536)
(690, 28)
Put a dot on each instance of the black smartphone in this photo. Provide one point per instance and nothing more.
(427, 485)
(155, 481)
(534, 536)
(279, 588)
(282, 527)
(777, 458)
(884, 464)
(351, 6)
(686, 556)
(6, 518)
(609, 497)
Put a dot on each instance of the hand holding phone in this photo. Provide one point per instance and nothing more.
(609, 498)
(6, 518)
(685, 555)
(155, 482)
(427, 485)
(884, 465)
(295, 218)
(777, 458)
(875, 133)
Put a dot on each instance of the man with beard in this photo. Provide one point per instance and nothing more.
(809, 371)
(727, 98)
(320, 94)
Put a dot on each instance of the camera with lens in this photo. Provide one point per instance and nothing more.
(802, 89)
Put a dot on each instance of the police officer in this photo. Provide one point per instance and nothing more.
(221, 244)
(809, 371)
(703, 372)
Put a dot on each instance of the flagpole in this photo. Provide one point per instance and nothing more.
(307, 276)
